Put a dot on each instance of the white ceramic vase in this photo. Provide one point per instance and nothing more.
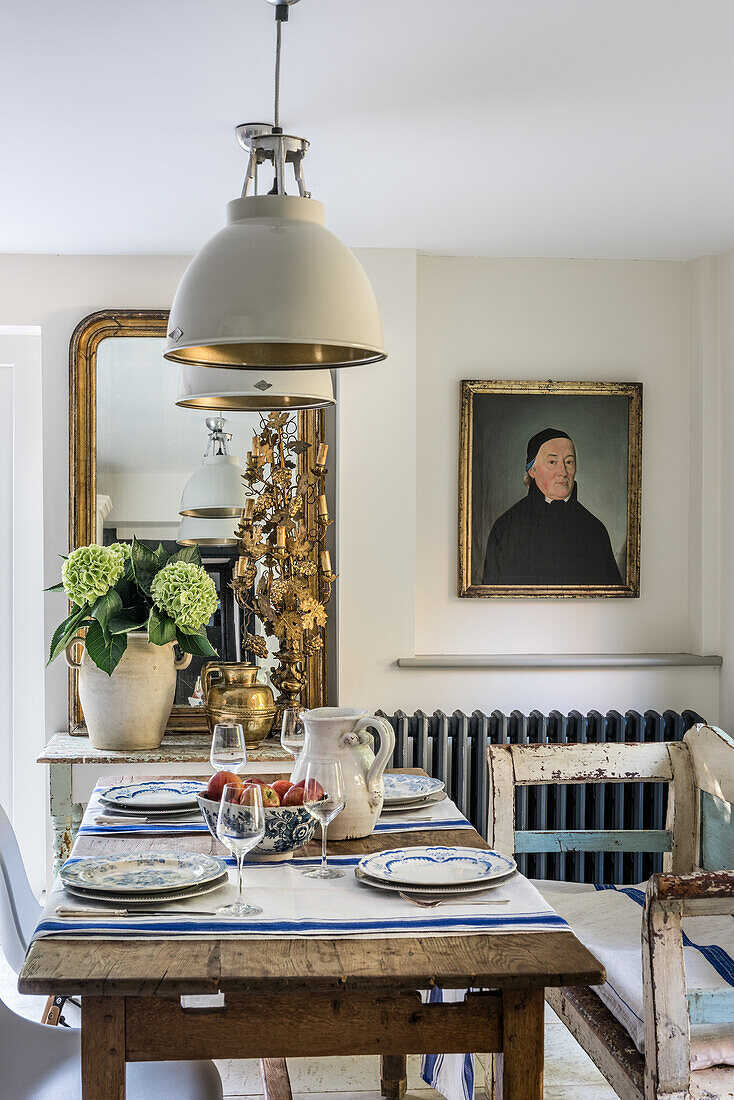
(128, 710)
(340, 733)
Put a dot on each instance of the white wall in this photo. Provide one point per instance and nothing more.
(479, 318)
(22, 734)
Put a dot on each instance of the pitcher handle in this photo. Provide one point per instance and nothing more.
(207, 675)
(387, 744)
(183, 661)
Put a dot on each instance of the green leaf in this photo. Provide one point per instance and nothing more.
(130, 618)
(65, 631)
(161, 628)
(198, 644)
(105, 650)
(105, 607)
(189, 553)
(146, 563)
(55, 588)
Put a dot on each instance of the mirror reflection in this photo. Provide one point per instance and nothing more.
(149, 453)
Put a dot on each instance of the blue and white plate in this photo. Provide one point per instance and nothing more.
(147, 873)
(437, 866)
(158, 794)
(409, 788)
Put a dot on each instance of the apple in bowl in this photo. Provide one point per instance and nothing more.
(287, 827)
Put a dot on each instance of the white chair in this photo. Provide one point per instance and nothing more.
(44, 1063)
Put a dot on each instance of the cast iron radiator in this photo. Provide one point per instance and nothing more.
(453, 748)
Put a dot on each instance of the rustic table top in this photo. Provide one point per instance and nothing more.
(173, 967)
(176, 748)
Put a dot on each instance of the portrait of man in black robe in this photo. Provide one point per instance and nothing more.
(551, 512)
(548, 537)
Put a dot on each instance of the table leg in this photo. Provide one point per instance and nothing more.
(523, 1015)
(275, 1079)
(62, 811)
(103, 1048)
(393, 1076)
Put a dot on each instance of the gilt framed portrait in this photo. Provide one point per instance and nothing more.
(550, 477)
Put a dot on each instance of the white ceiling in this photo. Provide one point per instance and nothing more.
(581, 128)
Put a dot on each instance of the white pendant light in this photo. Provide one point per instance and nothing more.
(206, 532)
(215, 490)
(274, 290)
(265, 391)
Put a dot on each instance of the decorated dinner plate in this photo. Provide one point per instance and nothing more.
(436, 866)
(415, 804)
(140, 811)
(150, 899)
(161, 794)
(409, 788)
(144, 873)
(431, 891)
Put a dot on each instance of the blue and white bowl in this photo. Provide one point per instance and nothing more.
(287, 828)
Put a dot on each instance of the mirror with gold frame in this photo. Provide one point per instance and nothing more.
(131, 451)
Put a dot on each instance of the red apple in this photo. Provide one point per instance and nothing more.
(314, 792)
(281, 788)
(300, 783)
(246, 798)
(293, 797)
(270, 797)
(219, 781)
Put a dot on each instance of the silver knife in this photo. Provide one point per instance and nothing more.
(105, 819)
(79, 911)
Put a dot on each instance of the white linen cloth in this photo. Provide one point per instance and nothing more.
(444, 814)
(608, 920)
(296, 906)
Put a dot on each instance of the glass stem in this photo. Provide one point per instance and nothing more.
(240, 862)
(323, 847)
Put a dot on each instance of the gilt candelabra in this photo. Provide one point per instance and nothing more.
(284, 573)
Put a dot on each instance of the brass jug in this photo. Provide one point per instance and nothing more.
(232, 694)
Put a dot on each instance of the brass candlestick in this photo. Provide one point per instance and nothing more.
(284, 575)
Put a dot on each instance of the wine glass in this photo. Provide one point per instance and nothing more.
(228, 752)
(323, 797)
(292, 734)
(240, 827)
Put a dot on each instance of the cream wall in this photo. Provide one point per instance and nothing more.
(564, 319)
(397, 437)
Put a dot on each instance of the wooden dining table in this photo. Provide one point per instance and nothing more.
(295, 997)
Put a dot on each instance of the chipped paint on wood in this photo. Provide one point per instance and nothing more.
(594, 840)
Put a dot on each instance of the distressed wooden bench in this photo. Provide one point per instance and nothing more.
(698, 854)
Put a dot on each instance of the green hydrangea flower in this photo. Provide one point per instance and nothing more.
(121, 548)
(186, 592)
(90, 571)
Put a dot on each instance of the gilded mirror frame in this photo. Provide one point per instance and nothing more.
(85, 341)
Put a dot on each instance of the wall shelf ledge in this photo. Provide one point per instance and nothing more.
(559, 660)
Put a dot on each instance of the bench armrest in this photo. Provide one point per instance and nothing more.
(699, 892)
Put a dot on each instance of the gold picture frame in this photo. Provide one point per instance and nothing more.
(85, 341)
(473, 529)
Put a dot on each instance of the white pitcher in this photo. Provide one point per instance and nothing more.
(340, 733)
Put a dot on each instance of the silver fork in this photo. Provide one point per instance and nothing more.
(452, 901)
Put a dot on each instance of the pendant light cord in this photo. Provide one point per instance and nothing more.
(276, 112)
(281, 15)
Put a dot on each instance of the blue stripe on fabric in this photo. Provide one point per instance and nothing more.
(432, 1064)
(406, 826)
(719, 959)
(468, 1076)
(307, 926)
(193, 827)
